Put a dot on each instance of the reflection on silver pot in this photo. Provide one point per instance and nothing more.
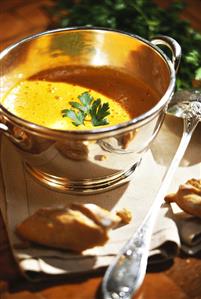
(82, 105)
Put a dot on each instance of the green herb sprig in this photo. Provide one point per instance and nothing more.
(142, 17)
(88, 107)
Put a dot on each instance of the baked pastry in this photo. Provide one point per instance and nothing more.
(100, 216)
(76, 228)
(188, 197)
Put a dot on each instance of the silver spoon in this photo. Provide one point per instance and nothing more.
(125, 275)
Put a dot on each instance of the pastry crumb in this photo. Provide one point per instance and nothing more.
(125, 215)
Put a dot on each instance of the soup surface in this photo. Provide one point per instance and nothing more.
(42, 98)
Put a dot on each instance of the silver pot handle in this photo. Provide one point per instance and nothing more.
(5, 129)
(16, 135)
(173, 45)
(3, 126)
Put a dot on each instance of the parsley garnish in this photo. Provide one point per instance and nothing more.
(78, 118)
(88, 107)
(98, 113)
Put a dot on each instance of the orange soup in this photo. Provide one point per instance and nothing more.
(45, 97)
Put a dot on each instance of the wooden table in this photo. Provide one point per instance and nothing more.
(179, 280)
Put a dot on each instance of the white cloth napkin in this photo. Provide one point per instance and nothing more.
(21, 195)
(189, 228)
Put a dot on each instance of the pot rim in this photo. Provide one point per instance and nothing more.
(99, 132)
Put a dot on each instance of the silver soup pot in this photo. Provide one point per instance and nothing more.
(90, 160)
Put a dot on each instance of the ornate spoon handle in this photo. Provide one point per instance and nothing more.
(125, 275)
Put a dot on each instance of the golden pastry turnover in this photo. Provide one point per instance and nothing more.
(188, 197)
(76, 228)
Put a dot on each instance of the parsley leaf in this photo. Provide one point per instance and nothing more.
(98, 113)
(85, 99)
(198, 74)
(88, 107)
(78, 118)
